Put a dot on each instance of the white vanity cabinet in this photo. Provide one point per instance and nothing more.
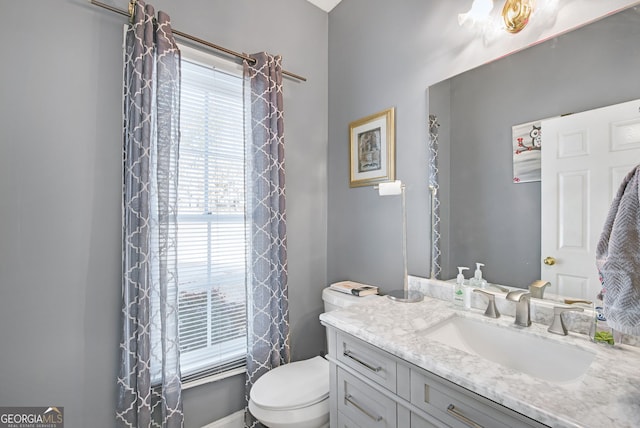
(372, 388)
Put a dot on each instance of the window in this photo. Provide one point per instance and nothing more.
(212, 238)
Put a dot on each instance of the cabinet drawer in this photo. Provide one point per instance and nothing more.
(362, 405)
(418, 422)
(345, 422)
(371, 362)
(457, 407)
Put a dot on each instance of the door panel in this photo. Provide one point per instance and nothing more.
(585, 156)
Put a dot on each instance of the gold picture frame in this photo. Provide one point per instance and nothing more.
(372, 148)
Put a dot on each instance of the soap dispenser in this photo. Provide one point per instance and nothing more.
(458, 289)
(478, 281)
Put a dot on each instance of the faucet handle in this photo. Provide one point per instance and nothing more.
(492, 310)
(572, 301)
(557, 326)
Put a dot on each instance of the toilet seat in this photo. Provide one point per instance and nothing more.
(293, 386)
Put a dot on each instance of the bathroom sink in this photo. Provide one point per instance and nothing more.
(513, 348)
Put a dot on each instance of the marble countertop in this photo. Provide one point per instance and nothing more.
(607, 395)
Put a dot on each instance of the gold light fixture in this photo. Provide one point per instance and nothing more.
(514, 17)
(515, 14)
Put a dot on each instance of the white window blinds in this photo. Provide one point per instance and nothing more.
(212, 243)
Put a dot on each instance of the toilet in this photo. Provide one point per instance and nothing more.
(296, 395)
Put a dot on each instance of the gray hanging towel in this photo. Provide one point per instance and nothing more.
(618, 257)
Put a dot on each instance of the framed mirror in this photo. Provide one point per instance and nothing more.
(484, 216)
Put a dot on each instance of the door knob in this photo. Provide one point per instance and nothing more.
(549, 261)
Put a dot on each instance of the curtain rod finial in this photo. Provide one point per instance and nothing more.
(132, 9)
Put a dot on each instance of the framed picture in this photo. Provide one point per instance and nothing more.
(372, 149)
(526, 144)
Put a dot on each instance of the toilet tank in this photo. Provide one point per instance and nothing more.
(336, 300)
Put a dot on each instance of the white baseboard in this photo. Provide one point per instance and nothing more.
(234, 420)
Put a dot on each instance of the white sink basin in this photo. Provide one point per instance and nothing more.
(514, 348)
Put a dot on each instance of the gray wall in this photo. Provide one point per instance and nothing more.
(371, 70)
(388, 57)
(493, 220)
(60, 160)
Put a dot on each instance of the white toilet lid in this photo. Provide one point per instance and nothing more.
(292, 386)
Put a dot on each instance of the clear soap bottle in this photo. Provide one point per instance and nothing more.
(478, 281)
(600, 332)
(458, 289)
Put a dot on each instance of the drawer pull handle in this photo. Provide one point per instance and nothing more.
(348, 399)
(451, 409)
(358, 360)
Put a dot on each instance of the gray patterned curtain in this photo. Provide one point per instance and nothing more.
(149, 389)
(267, 297)
(434, 186)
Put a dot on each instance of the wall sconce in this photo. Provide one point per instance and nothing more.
(515, 14)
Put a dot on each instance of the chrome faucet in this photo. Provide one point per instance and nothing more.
(536, 288)
(523, 307)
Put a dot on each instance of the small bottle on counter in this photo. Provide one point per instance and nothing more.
(600, 332)
(467, 297)
(477, 280)
(458, 289)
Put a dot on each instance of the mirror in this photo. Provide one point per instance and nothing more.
(484, 216)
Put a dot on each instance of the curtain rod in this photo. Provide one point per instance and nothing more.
(197, 40)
